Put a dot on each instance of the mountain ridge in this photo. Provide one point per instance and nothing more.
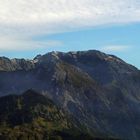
(55, 54)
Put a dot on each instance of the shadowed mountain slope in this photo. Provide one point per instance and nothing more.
(32, 116)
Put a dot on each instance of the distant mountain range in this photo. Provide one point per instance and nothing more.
(95, 94)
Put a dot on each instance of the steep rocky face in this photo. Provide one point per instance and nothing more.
(100, 90)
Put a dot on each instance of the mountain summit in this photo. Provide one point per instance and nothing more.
(101, 91)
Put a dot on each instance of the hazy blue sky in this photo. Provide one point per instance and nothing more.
(31, 27)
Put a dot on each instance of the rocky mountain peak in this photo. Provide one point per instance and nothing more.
(100, 90)
(51, 57)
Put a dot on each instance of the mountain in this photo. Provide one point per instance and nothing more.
(101, 91)
(32, 116)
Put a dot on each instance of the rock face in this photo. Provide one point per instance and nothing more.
(100, 90)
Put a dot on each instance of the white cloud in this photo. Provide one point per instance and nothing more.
(114, 48)
(34, 17)
(24, 44)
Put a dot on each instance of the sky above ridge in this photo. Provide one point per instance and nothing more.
(31, 27)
